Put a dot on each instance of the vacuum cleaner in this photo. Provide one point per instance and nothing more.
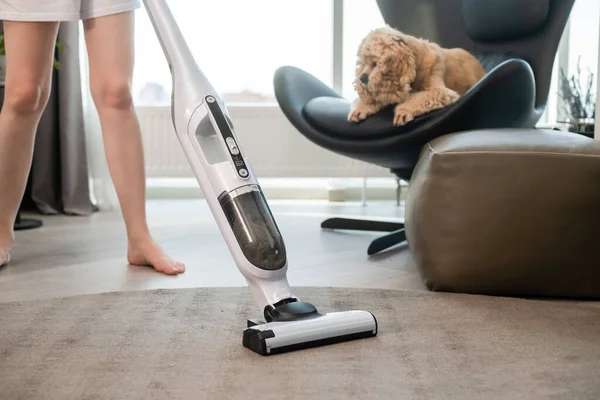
(207, 135)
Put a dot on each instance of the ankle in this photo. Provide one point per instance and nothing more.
(139, 238)
(6, 245)
(7, 238)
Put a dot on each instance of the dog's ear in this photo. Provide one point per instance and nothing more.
(408, 63)
(401, 58)
(410, 66)
(388, 60)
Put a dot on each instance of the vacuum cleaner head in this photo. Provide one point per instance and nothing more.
(298, 325)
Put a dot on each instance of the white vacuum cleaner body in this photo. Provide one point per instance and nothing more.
(207, 136)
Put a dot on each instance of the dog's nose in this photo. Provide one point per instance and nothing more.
(364, 78)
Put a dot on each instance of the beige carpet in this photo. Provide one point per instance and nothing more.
(186, 344)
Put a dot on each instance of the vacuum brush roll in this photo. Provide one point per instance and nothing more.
(309, 331)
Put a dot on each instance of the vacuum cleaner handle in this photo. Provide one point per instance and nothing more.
(230, 187)
(181, 61)
(200, 117)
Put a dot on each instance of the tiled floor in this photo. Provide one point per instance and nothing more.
(78, 255)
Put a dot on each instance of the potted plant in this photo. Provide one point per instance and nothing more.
(580, 102)
(57, 64)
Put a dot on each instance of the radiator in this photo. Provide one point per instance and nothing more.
(274, 147)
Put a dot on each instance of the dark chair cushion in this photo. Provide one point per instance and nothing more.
(330, 114)
(492, 20)
(504, 98)
(509, 212)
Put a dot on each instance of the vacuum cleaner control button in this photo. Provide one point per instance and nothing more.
(243, 172)
(233, 148)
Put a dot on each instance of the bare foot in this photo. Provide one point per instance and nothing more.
(148, 253)
(4, 256)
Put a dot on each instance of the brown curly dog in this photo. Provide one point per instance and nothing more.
(412, 73)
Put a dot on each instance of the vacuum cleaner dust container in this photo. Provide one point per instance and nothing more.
(254, 227)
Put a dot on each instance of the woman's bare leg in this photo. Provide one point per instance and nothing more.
(110, 45)
(29, 58)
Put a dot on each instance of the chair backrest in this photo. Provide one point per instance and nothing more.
(526, 29)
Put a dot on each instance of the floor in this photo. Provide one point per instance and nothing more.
(80, 255)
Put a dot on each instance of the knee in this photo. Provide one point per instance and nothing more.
(113, 95)
(27, 97)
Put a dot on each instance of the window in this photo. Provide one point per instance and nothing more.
(360, 17)
(579, 45)
(239, 45)
(583, 36)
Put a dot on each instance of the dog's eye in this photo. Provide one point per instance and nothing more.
(374, 64)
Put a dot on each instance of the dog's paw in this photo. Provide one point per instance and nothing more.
(358, 114)
(402, 116)
(453, 96)
(447, 96)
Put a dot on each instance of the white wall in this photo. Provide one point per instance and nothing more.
(597, 131)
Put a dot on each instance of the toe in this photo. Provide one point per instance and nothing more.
(180, 267)
(173, 267)
(170, 267)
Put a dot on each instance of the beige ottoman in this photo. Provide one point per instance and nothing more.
(507, 212)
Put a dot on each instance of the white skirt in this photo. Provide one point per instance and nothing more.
(62, 10)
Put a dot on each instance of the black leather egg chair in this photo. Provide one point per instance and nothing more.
(515, 40)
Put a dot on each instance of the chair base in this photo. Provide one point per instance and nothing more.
(396, 236)
(22, 224)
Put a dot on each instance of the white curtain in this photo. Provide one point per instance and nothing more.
(102, 189)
